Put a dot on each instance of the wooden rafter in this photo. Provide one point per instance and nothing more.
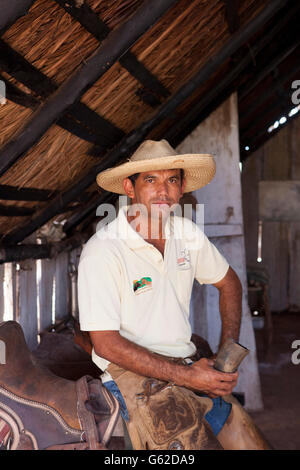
(214, 97)
(15, 211)
(115, 45)
(294, 41)
(263, 136)
(232, 15)
(41, 251)
(80, 120)
(21, 252)
(14, 94)
(11, 10)
(88, 210)
(68, 121)
(11, 193)
(260, 100)
(264, 120)
(153, 89)
(130, 142)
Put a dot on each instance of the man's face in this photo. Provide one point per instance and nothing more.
(157, 190)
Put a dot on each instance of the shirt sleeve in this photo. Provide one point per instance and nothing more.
(211, 266)
(99, 294)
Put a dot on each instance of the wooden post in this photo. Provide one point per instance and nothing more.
(46, 285)
(62, 295)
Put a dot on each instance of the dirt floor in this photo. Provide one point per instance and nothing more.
(280, 381)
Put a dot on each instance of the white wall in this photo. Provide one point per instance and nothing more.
(219, 135)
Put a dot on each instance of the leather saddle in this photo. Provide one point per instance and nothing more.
(39, 410)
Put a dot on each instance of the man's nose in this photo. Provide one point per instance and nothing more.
(163, 188)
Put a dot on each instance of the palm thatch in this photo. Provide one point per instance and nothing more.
(55, 44)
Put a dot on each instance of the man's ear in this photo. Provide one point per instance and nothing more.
(128, 188)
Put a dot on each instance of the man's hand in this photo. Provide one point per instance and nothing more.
(203, 377)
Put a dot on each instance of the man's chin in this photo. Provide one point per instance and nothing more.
(162, 210)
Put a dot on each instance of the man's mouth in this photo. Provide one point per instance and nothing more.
(162, 203)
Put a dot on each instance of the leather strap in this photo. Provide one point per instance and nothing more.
(86, 417)
(75, 446)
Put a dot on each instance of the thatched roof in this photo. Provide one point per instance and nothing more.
(87, 80)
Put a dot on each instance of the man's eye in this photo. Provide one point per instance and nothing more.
(173, 180)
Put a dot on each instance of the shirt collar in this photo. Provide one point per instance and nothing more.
(127, 233)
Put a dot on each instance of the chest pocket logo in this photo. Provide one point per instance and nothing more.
(183, 260)
(143, 285)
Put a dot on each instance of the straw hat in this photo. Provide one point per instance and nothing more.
(199, 169)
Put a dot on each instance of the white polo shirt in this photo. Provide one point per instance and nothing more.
(125, 284)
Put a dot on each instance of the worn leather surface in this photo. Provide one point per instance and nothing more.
(26, 377)
(164, 416)
(54, 412)
(62, 356)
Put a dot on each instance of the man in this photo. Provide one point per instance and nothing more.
(135, 282)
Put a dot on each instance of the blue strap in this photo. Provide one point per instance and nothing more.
(114, 389)
(218, 415)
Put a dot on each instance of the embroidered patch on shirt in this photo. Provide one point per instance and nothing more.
(183, 261)
(145, 283)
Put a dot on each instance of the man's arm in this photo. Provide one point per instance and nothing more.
(230, 304)
(130, 356)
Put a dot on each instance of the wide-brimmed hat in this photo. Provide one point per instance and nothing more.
(199, 169)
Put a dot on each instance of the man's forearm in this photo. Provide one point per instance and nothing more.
(130, 356)
(231, 316)
(230, 305)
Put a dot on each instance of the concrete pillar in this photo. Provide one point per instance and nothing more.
(219, 135)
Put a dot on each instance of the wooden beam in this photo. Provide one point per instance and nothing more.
(260, 99)
(18, 96)
(182, 126)
(41, 251)
(68, 121)
(284, 102)
(86, 17)
(270, 66)
(273, 112)
(232, 15)
(15, 211)
(152, 89)
(80, 120)
(263, 137)
(11, 10)
(131, 141)
(18, 67)
(94, 25)
(12, 193)
(87, 210)
(116, 44)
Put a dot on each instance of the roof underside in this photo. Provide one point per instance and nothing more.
(87, 81)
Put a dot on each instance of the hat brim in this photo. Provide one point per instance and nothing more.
(199, 170)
